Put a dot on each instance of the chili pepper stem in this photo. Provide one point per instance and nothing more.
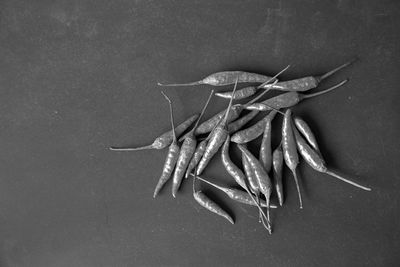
(224, 121)
(171, 115)
(131, 148)
(267, 226)
(263, 93)
(202, 111)
(257, 97)
(273, 78)
(259, 212)
(261, 218)
(180, 84)
(298, 187)
(272, 108)
(334, 174)
(326, 90)
(329, 73)
(266, 91)
(207, 182)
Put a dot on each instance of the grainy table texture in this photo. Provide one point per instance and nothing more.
(79, 76)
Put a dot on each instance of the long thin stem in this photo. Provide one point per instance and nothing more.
(230, 102)
(273, 78)
(132, 148)
(257, 202)
(265, 91)
(180, 84)
(329, 73)
(258, 97)
(259, 212)
(171, 115)
(210, 183)
(298, 187)
(202, 111)
(272, 108)
(347, 181)
(263, 217)
(326, 90)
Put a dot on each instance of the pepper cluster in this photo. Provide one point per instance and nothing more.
(261, 176)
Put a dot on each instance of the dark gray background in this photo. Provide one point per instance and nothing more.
(79, 76)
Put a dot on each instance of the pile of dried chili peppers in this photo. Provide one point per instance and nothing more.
(261, 175)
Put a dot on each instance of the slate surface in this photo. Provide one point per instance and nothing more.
(79, 76)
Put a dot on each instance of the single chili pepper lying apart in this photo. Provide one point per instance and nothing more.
(163, 140)
(226, 78)
(207, 203)
(187, 150)
(172, 156)
(316, 161)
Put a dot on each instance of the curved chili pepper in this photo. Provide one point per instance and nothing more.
(172, 156)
